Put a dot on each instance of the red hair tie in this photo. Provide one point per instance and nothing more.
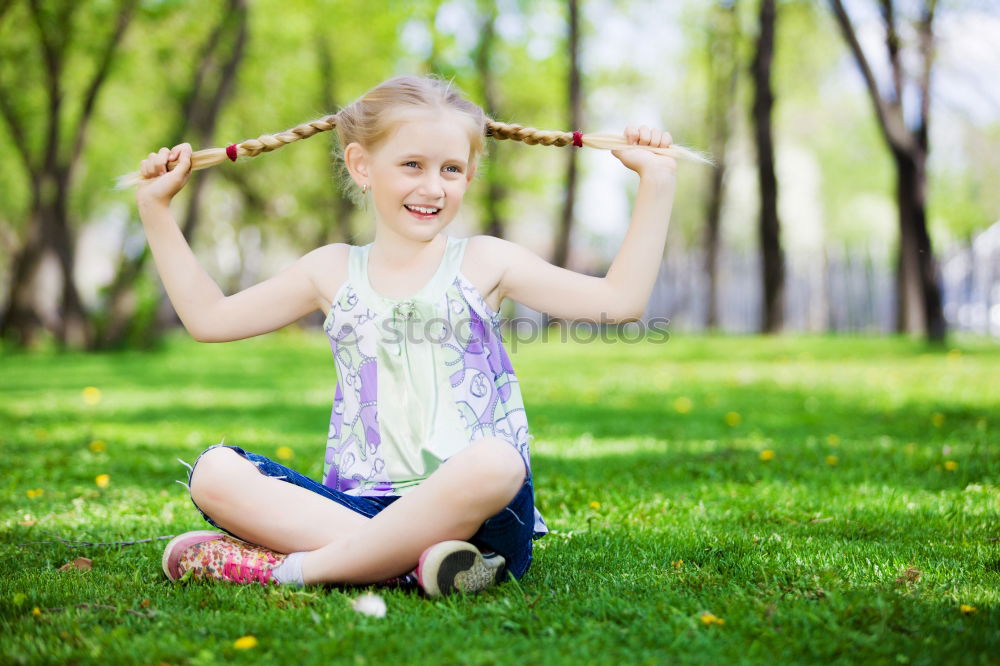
(231, 152)
(578, 139)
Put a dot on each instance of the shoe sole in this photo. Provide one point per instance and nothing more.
(442, 564)
(177, 539)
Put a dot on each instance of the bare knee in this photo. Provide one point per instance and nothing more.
(214, 473)
(495, 470)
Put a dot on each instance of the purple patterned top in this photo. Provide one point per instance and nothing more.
(419, 379)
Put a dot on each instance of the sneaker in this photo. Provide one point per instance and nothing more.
(458, 565)
(211, 555)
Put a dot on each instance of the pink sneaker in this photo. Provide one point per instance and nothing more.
(452, 566)
(213, 555)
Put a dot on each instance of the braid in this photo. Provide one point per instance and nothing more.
(265, 143)
(268, 142)
(533, 136)
(528, 135)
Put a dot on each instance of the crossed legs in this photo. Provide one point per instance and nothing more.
(346, 547)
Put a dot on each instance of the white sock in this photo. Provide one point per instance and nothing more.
(289, 572)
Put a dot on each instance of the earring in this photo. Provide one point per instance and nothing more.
(364, 189)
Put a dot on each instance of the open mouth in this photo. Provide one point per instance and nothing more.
(425, 212)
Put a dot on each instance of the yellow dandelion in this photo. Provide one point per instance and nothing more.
(245, 643)
(832, 460)
(36, 611)
(683, 405)
(102, 480)
(285, 453)
(767, 454)
(954, 354)
(966, 609)
(34, 493)
(950, 465)
(709, 619)
(677, 564)
(97, 445)
(833, 440)
(733, 419)
(595, 505)
(937, 419)
(91, 395)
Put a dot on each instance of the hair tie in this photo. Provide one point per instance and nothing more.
(231, 151)
(578, 139)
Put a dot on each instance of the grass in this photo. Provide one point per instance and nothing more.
(862, 538)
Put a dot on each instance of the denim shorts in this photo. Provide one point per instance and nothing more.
(509, 532)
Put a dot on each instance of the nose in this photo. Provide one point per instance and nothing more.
(432, 185)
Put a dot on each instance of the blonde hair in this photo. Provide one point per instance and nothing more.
(370, 119)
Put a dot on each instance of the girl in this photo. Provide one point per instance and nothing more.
(427, 478)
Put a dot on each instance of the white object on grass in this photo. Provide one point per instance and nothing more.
(369, 604)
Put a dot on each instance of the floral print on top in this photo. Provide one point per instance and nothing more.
(419, 379)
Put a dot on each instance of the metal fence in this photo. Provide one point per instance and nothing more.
(837, 289)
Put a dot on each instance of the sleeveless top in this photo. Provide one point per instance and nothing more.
(418, 380)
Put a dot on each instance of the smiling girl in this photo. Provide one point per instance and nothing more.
(427, 478)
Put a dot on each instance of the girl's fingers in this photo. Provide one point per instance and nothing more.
(648, 136)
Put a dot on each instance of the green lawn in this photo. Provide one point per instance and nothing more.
(711, 500)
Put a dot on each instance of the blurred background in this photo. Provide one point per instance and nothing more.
(855, 141)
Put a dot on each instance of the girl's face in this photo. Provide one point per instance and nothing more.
(419, 175)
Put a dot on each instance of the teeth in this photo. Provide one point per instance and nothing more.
(425, 211)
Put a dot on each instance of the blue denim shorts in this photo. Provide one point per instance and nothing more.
(509, 533)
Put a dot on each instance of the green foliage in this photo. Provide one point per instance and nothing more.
(661, 508)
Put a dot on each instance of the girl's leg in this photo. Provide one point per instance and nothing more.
(265, 510)
(451, 504)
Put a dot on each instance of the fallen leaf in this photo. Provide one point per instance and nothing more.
(81, 563)
(911, 575)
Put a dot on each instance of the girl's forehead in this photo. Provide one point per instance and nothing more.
(430, 134)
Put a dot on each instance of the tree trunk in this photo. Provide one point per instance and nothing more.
(722, 90)
(342, 207)
(772, 259)
(495, 190)
(561, 250)
(199, 115)
(51, 175)
(919, 307)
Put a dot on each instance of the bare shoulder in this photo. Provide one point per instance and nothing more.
(486, 261)
(326, 267)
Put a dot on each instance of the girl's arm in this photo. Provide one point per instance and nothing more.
(207, 314)
(622, 295)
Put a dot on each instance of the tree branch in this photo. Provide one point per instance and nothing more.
(17, 132)
(891, 124)
(53, 41)
(925, 30)
(90, 96)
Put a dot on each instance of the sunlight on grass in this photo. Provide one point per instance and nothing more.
(711, 500)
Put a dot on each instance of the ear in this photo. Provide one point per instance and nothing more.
(356, 158)
(471, 174)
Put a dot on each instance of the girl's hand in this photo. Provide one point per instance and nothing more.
(161, 185)
(644, 162)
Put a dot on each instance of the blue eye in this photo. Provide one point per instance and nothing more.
(409, 163)
(456, 169)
